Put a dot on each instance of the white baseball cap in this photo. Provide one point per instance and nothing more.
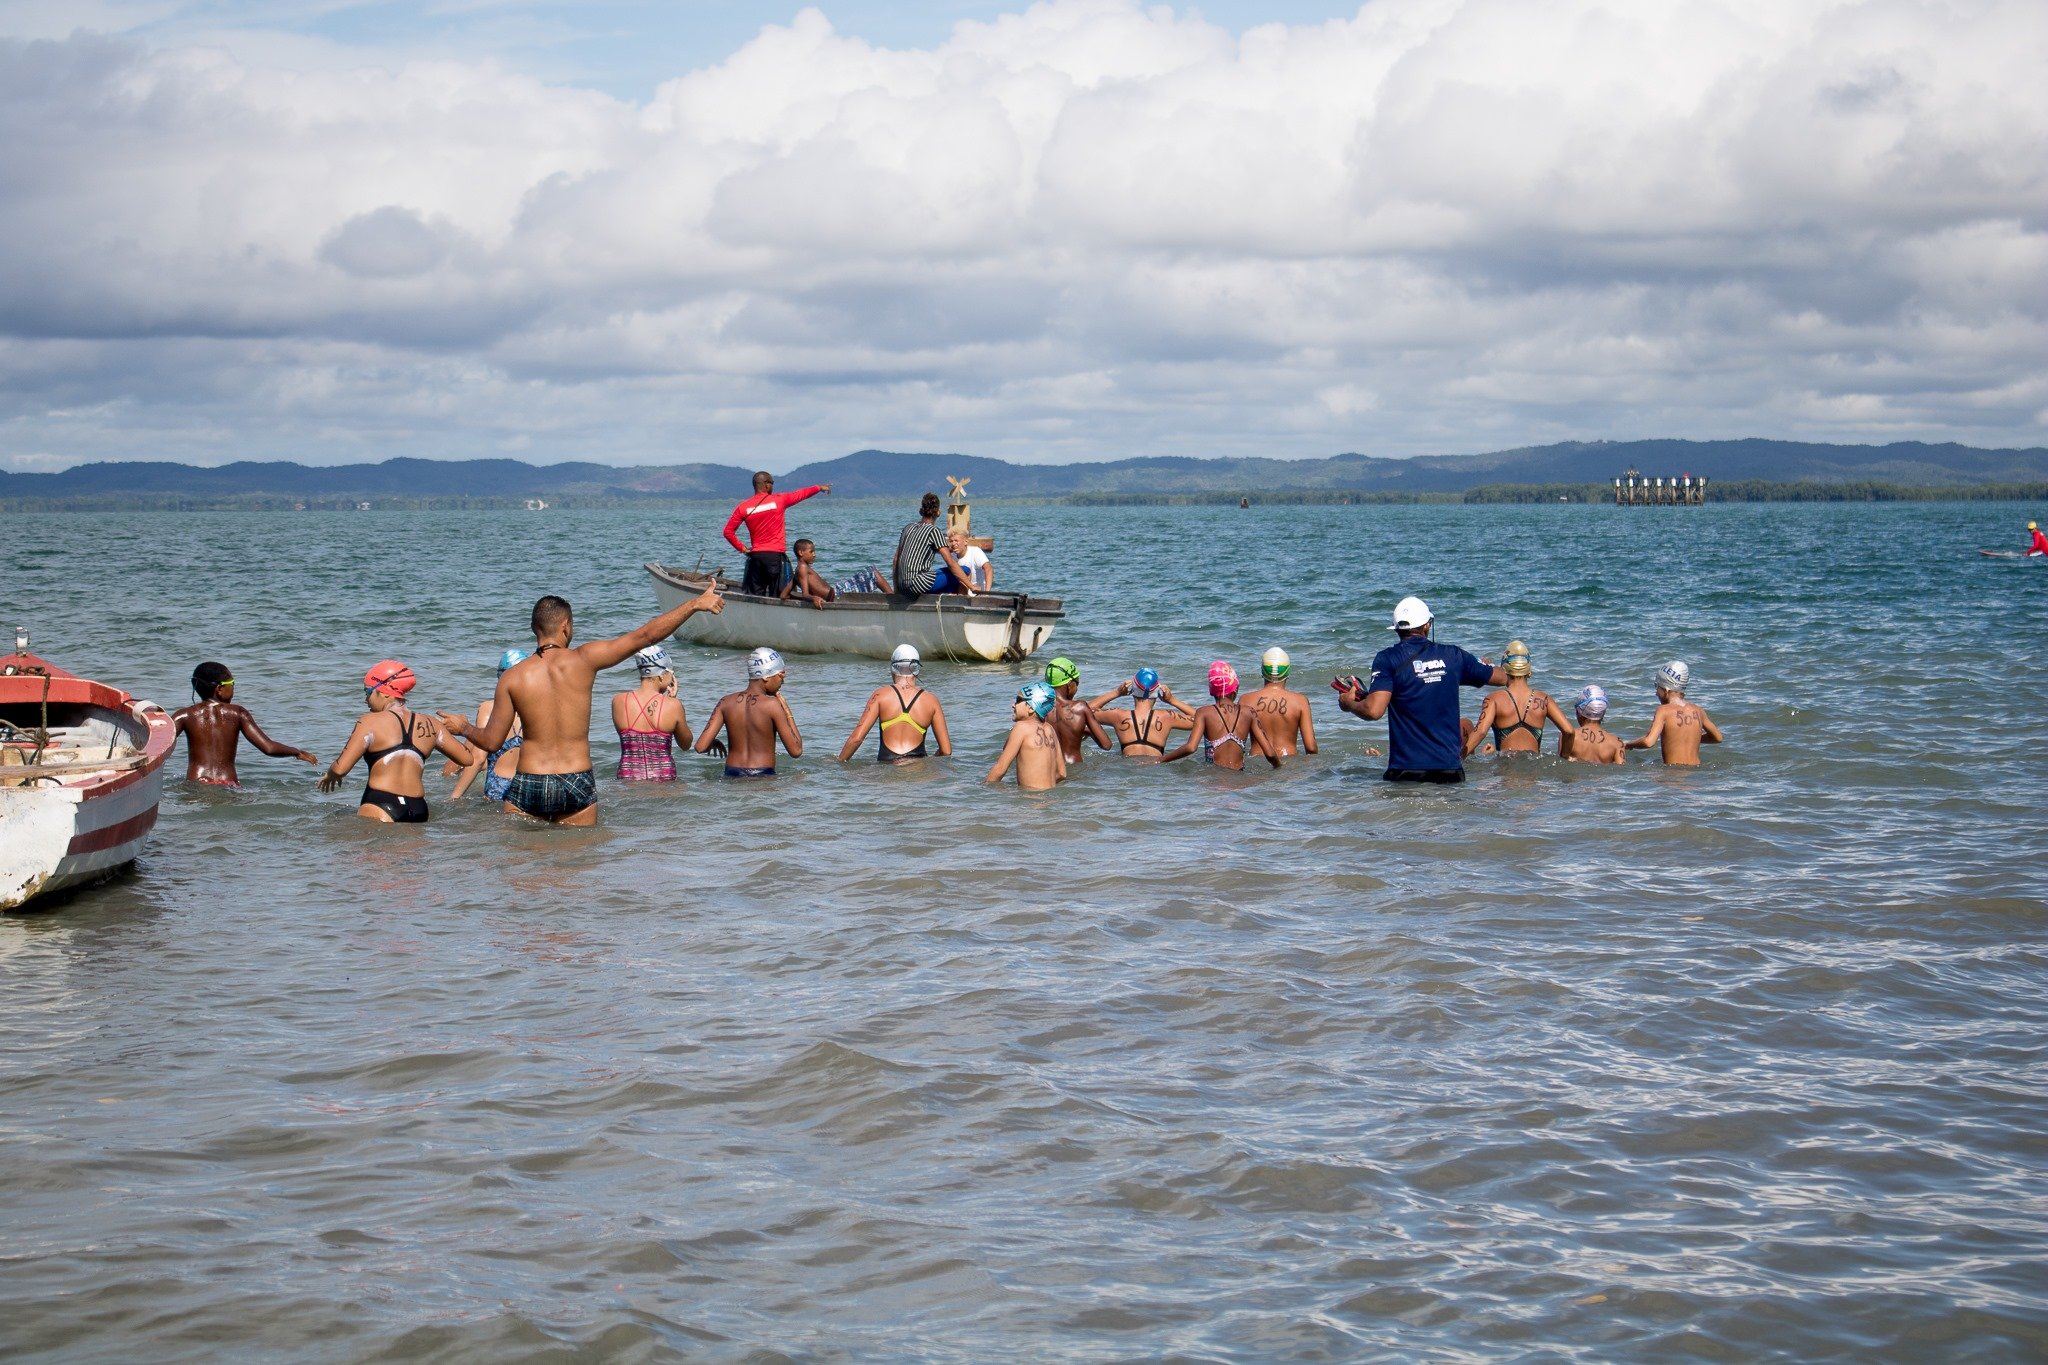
(1411, 614)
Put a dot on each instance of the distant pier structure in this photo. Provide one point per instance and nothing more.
(1636, 489)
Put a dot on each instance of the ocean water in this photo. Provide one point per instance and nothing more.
(1740, 1062)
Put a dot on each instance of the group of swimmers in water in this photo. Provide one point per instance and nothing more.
(530, 743)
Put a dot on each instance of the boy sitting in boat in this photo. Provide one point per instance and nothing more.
(808, 584)
(1033, 747)
(214, 727)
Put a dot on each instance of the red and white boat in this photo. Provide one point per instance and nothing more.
(81, 770)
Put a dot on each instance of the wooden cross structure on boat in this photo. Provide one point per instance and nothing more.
(959, 517)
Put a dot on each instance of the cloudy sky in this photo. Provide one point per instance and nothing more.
(646, 232)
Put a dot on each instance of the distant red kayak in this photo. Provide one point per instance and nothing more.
(81, 771)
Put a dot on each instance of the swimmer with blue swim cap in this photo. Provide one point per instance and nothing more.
(501, 764)
(1155, 713)
(1033, 745)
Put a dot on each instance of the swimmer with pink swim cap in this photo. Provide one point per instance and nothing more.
(394, 741)
(1226, 729)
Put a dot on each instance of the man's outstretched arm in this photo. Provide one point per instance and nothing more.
(602, 654)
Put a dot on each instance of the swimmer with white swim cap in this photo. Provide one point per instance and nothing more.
(1590, 742)
(753, 721)
(1679, 726)
(906, 721)
(1283, 713)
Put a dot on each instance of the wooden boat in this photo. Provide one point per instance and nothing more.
(989, 628)
(81, 770)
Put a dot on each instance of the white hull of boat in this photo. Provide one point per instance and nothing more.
(82, 812)
(994, 628)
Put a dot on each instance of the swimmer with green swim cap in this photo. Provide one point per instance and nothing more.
(1283, 713)
(1072, 719)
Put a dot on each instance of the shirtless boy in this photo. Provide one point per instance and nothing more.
(1073, 719)
(214, 727)
(548, 695)
(807, 582)
(1143, 734)
(1679, 725)
(1590, 742)
(1034, 746)
(753, 720)
(1283, 713)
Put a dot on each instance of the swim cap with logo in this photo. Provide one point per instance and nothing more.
(390, 677)
(1145, 682)
(1222, 679)
(1062, 671)
(1673, 676)
(1038, 697)
(1274, 663)
(652, 661)
(510, 657)
(1515, 660)
(763, 663)
(904, 659)
(1592, 703)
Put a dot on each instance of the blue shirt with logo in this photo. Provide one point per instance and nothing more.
(1422, 717)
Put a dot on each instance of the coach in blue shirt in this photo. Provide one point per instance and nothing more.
(1415, 686)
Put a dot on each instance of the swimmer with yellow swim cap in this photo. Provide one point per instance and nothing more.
(1283, 713)
(1515, 715)
(1072, 718)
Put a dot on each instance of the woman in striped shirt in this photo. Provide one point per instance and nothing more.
(920, 542)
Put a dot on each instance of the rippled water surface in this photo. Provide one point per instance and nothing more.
(1641, 1064)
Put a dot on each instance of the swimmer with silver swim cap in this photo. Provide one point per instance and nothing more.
(1591, 743)
(904, 660)
(1680, 727)
(753, 721)
(652, 662)
(906, 716)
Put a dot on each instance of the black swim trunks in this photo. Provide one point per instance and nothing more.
(550, 796)
(731, 771)
(1438, 775)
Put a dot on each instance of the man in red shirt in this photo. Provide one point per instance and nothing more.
(2039, 543)
(768, 559)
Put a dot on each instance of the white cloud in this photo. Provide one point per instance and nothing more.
(1088, 228)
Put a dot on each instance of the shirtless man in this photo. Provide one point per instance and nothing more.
(1590, 742)
(1034, 746)
(214, 727)
(548, 694)
(1073, 719)
(1143, 734)
(1681, 726)
(753, 720)
(1283, 713)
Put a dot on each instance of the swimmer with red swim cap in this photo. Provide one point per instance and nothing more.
(394, 741)
(1226, 729)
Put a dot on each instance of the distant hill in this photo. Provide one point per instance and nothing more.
(889, 474)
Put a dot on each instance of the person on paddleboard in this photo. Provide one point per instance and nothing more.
(2039, 544)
